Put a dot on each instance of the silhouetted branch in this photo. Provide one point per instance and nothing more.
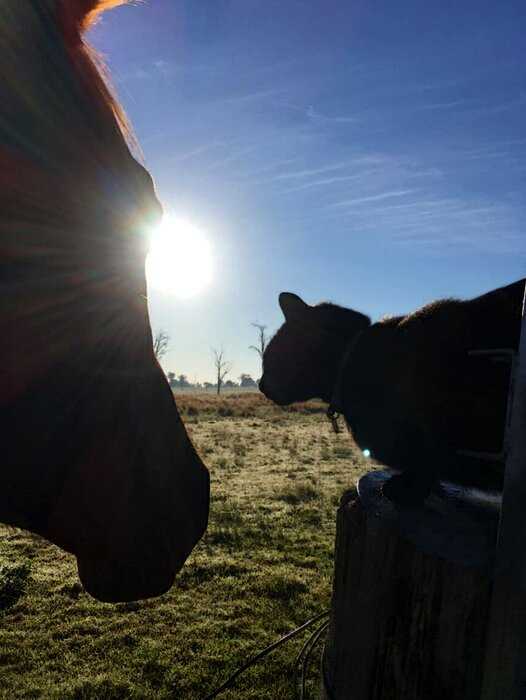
(161, 343)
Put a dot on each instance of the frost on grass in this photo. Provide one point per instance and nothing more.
(263, 567)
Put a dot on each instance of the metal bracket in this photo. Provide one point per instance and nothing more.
(497, 354)
(508, 355)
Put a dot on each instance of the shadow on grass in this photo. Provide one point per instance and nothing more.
(13, 581)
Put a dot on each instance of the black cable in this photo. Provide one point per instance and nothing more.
(307, 657)
(299, 659)
(264, 652)
(304, 656)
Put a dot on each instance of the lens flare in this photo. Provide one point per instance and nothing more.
(180, 260)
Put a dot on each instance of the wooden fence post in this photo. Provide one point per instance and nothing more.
(505, 672)
(426, 605)
(411, 595)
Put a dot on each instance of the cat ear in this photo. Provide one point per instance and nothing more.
(292, 305)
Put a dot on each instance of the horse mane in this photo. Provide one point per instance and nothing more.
(56, 94)
(92, 9)
(76, 17)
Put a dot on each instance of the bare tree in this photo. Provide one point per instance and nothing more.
(222, 367)
(161, 343)
(262, 341)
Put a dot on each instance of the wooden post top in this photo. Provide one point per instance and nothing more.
(456, 524)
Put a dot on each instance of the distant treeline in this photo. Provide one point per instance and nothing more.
(181, 381)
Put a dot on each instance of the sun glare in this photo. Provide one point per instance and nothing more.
(179, 261)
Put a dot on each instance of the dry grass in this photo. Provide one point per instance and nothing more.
(240, 405)
(264, 566)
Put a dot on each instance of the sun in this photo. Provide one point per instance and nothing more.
(179, 261)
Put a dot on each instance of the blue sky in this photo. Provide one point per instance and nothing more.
(361, 151)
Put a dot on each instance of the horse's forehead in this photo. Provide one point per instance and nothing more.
(127, 176)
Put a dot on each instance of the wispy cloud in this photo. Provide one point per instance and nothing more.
(148, 71)
(205, 148)
(139, 74)
(442, 105)
(443, 84)
(500, 108)
(441, 240)
(165, 68)
(251, 97)
(327, 181)
(482, 153)
(318, 118)
(309, 172)
(231, 157)
(438, 225)
(348, 203)
(423, 205)
(519, 101)
(273, 166)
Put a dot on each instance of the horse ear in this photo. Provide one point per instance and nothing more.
(292, 305)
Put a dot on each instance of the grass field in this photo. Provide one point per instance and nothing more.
(264, 566)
